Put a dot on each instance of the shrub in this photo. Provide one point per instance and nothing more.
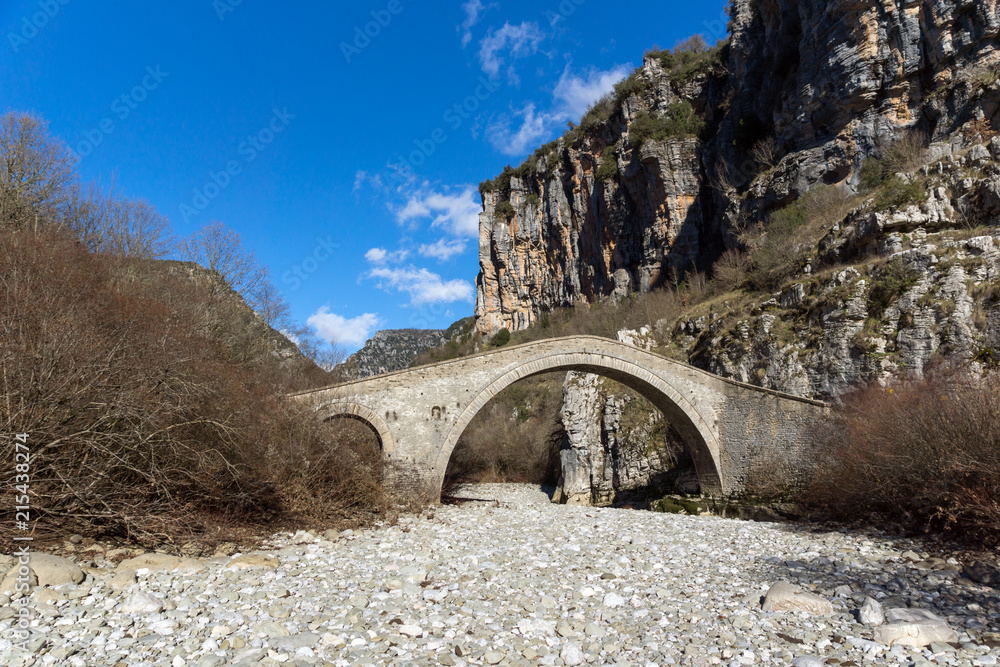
(631, 85)
(888, 285)
(608, 167)
(903, 156)
(499, 184)
(765, 152)
(599, 112)
(773, 252)
(158, 394)
(552, 161)
(923, 453)
(504, 209)
(730, 270)
(897, 193)
(872, 175)
(792, 235)
(680, 121)
(689, 58)
(907, 154)
(501, 338)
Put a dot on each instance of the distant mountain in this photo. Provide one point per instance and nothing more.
(395, 349)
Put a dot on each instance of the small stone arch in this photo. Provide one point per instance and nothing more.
(693, 423)
(365, 415)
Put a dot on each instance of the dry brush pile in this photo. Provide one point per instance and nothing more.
(152, 394)
(922, 454)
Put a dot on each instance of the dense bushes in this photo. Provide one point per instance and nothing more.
(608, 166)
(152, 393)
(153, 409)
(923, 454)
(789, 239)
(881, 174)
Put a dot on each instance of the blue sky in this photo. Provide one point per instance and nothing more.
(344, 142)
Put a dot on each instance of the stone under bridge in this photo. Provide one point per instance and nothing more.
(420, 413)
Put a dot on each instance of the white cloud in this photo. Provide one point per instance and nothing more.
(456, 213)
(339, 330)
(474, 10)
(515, 41)
(362, 178)
(376, 255)
(383, 256)
(534, 127)
(422, 285)
(574, 94)
(571, 98)
(443, 250)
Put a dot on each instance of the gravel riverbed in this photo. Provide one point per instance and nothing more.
(510, 579)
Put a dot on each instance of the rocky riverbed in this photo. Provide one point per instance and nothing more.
(511, 579)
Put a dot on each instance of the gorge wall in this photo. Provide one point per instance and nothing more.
(661, 176)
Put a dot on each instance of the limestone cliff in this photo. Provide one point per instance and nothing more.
(661, 176)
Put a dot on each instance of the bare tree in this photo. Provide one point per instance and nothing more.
(765, 152)
(219, 249)
(82, 215)
(133, 228)
(36, 172)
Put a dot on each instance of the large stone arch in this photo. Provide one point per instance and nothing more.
(366, 415)
(696, 425)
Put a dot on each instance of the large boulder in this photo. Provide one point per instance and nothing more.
(915, 634)
(785, 596)
(914, 627)
(54, 570)
(982, 572)
(871, 612)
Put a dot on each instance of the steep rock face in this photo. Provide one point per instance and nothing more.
(584, 238)
(829, 81)
(392, 350)
(614, 442)
(831, 332)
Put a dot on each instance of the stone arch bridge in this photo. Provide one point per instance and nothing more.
(420, 413)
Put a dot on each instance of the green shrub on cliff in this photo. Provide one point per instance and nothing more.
(680, 121)
(631, 85)
(504, 209)
(888, 285)
(501, 338)
(897, 194)
(689, 58)
(608, 167)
